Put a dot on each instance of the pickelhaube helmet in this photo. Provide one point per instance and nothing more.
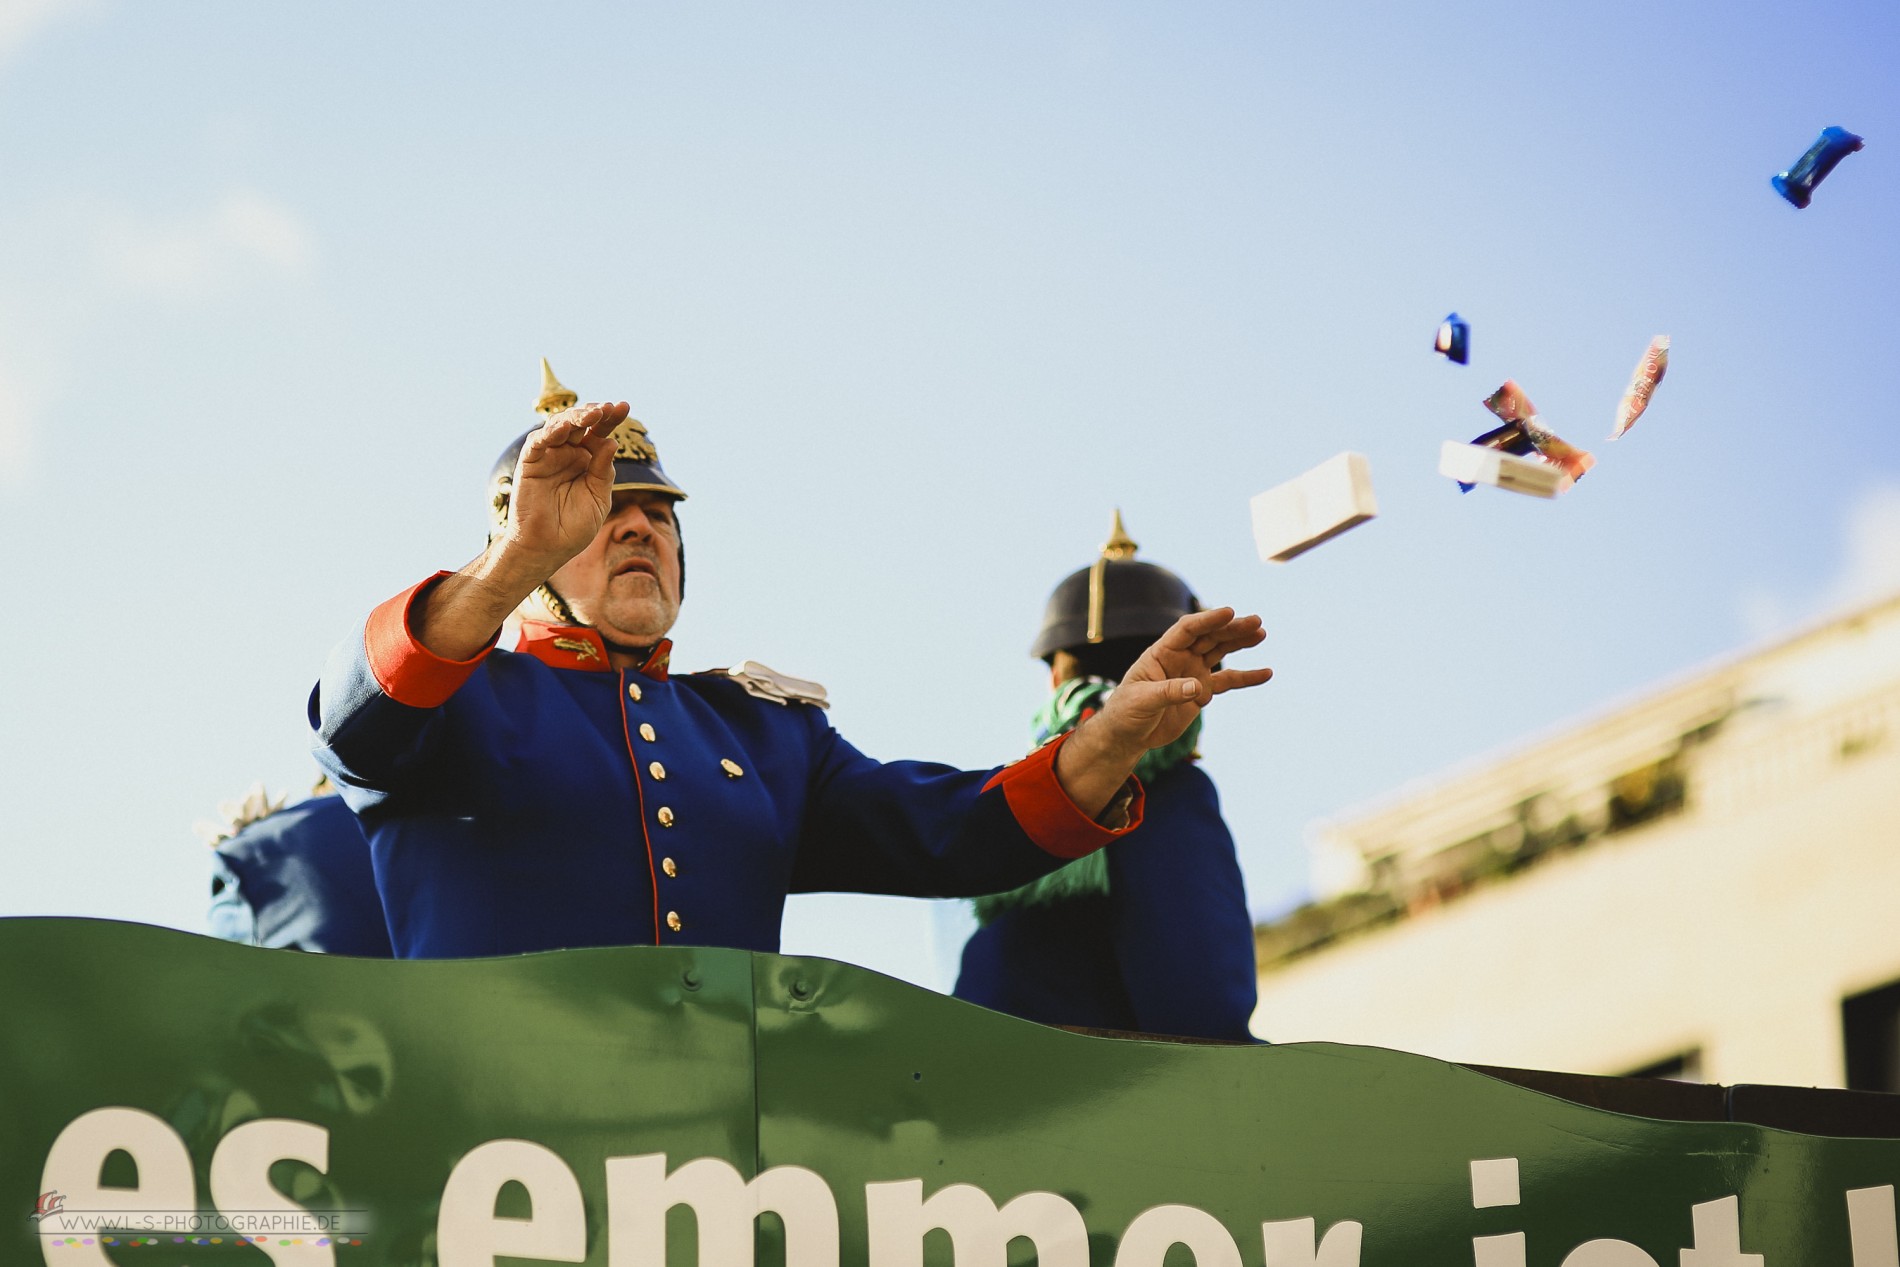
(636, 461)
(1116, 598)
(636, 468)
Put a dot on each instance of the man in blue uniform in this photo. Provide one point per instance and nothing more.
(576, 792)
(296, 878)
(1151, 933)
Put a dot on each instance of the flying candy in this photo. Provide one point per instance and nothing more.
(1509, 439)
(1454, 339)
(1474, 464)
(1521, 433)
(1513, 407)
(1798, 182)
(1649, 372)
(1291, 518)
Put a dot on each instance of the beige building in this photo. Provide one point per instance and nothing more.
(1702, 883)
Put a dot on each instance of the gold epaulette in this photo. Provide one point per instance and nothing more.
(778, 687)
(254, 806)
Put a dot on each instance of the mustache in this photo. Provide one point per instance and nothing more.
(621, 558)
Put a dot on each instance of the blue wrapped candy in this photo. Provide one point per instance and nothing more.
(1798, 182)
(1454, 338)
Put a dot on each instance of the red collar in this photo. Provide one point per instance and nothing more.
(581, 647)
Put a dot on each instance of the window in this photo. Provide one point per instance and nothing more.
(1645, 794)
(1870, 1028)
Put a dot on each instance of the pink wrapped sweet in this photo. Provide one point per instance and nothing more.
(1649, 372)
(1511, 405)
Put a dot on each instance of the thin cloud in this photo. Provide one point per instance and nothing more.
(1868, 568)
(245, 237)
(22, 20)
(71, 268)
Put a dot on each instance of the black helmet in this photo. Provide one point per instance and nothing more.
(1118, 604)
(636, 467)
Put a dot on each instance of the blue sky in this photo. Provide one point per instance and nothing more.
(910, 298)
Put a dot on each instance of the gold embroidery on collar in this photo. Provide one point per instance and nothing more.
(582, 649)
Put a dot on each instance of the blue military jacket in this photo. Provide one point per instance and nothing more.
(300, 879)
(539, 799)
(1167, 950)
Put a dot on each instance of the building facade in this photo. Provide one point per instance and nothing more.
(1704, 883)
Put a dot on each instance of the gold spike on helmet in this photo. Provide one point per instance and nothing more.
(555, 396)
(1118, 546)
(1114, 599)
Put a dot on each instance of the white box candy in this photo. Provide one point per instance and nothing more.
(1481, 464)
(1292, 518)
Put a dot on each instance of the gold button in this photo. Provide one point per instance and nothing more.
(731, 767)
(657, 770)
(665, 815)
(670, 867)
(646, 732)
(673, 921)
(633, 691)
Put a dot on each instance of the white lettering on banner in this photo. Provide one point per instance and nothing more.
(1607, 1253)
(1718, 1236)
(1493, 1182)
(74, 1205)
(164, 1199)
(1498, 1251)
(468, 1233)
(898, 1217)
(1290, 1244)
(74, 1161)
(240, 1179)
(1160, 1228)
(1870, 1227)
(724, 1205)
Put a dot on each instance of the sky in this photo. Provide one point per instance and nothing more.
(910, 299)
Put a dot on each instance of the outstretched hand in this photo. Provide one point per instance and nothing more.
(1175, 678)
(1156, 702)
(563, 490)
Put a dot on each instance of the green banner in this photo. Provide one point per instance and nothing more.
(171, 1101)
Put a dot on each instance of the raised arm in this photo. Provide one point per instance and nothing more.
(1157, 699)
(562, 494)
(376, 711)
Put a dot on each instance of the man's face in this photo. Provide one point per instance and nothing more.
(626, 583)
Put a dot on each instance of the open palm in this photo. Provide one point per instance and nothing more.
(1155, 704)
(564, 480)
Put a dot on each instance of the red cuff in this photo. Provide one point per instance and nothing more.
(1045, 811)
(409, 672)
